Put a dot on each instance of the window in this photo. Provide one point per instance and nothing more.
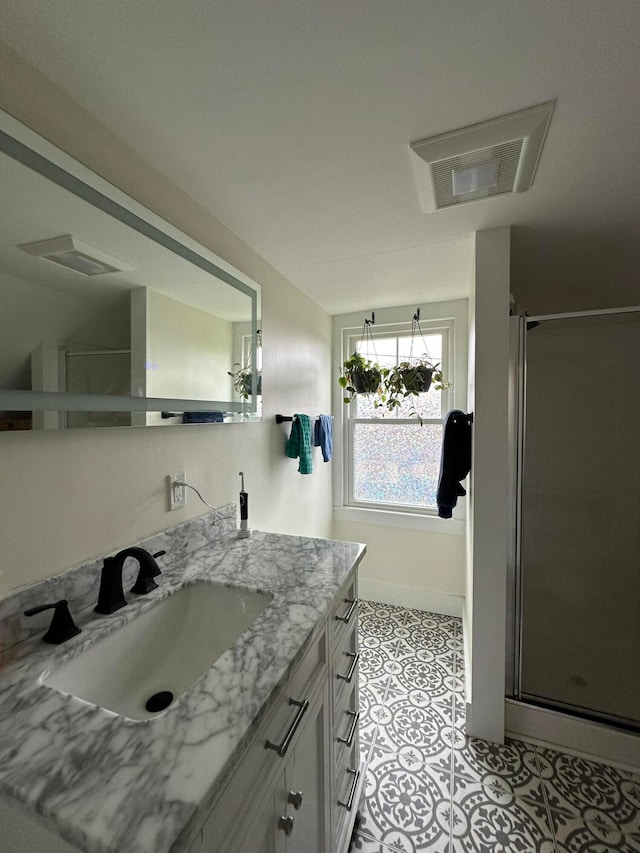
(391, 462)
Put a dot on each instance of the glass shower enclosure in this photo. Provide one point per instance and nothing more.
(574, 631)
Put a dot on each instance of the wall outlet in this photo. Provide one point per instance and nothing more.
(177, 494)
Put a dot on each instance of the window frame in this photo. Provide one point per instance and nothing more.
(449, 318)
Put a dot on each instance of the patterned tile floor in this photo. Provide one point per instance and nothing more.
(431, 788)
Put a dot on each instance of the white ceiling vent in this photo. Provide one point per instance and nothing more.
(67, 251)
(491, 158)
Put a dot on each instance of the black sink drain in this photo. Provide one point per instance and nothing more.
(159, 701)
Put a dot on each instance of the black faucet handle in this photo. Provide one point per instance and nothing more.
(62, 626)
(149, 570)
(111, 595)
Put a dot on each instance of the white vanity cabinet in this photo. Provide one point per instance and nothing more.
(297, 787)
(259, 756)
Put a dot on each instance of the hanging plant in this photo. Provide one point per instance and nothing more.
(360, 376)
(415, 378)
(410, 378)
(242, 379)
(242, 375)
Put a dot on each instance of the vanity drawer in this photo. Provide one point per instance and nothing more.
(279, 729)
(345, 613)
(345, 664)
(345, 724)
(348, 785)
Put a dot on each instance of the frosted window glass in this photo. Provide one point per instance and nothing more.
(427, 405)
(396, 464)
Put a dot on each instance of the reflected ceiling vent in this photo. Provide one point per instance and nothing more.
(491, 158)
(67, 251)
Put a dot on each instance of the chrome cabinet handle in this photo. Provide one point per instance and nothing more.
(286, 825)
(354, 725)
(349, 804)
(295, 799)
(281, 748)
(352, 668)
(347, 616)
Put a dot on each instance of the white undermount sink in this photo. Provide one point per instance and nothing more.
(162, 652)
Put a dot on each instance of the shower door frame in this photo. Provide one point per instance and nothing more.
(517, 444)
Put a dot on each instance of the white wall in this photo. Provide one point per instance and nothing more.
(485, 603)
(414, 561)
(190, 350)
(53, 316)
(66, 497)
(412, 568)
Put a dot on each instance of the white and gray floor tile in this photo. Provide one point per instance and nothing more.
(432, 789)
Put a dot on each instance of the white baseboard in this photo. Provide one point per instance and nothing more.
(566, 733)
(410, 596)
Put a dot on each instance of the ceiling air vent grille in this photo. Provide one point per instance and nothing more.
(493, 157)
(73, 254)
(505, 157)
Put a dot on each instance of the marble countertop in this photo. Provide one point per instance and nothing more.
(112, 785)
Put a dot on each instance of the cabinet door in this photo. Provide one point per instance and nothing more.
(263, 835)
(294, 815)
(306, 797)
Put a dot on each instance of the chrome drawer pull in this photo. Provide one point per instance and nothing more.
(352, 668)
(281, 748)
(349, 804)
(295, 799)
(354, 725)
(354, 603)
(286, 825)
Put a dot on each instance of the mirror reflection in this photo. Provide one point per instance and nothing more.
(93, 307)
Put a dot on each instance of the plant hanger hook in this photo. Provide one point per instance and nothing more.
(415, 327)
(367, 337)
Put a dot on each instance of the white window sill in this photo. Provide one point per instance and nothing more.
(388, 518)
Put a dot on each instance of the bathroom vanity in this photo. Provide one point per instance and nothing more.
(260, 754)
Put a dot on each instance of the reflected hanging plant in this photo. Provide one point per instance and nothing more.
(242, 375)
(242, 379)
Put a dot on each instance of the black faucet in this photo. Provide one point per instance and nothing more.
(62, 625)
(111, 595)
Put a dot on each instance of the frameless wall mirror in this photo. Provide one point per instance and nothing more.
(110, 316)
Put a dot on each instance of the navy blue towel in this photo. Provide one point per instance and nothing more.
(323, 436)
(455, 461)
(202, 417)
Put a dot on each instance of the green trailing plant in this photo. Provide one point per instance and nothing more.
(407, 380)
(241, 378)
(361, 376)
(242, 375)
(392, 386)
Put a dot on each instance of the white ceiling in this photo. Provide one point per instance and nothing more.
(290, 121)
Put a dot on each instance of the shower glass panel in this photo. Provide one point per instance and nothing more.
(580, 529)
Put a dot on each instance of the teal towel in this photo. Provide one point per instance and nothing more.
(299, 443)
